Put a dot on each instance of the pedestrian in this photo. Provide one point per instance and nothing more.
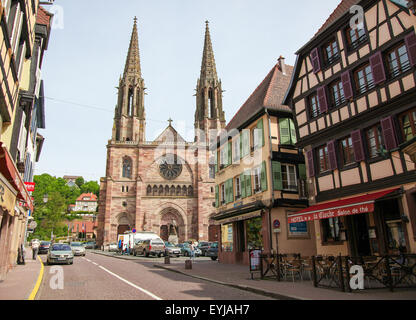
(192, 247)
(35, 249)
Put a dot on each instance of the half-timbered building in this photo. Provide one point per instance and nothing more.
(354, 102)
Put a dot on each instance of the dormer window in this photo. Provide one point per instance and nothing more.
(331, 52)
(355, 37)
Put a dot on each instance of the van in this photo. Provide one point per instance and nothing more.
(154, 247)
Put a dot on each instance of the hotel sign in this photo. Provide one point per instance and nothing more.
(333, 213)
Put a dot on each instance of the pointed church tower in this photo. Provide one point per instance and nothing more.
(209, 114)
(130, 117)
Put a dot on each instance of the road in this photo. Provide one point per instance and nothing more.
(97, 277)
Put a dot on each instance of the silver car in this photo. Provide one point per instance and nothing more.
(60, 253)
(78, 249)
(172, 250)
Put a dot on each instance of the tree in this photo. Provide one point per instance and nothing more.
(79, 181)
(91, 186)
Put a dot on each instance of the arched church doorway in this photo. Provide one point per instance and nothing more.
(172, 226)
(122, 228)
(123, 224)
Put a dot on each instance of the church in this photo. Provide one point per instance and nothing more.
(166, 185)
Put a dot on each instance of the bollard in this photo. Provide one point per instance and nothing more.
(188, 264)
(167, 259)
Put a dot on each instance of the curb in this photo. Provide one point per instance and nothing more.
(236, 286)
(38, 282)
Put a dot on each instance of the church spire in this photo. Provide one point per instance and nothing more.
(208, 68)
(133, 56)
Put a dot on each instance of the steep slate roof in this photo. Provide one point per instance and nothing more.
(268, 95)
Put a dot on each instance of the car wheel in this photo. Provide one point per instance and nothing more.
(134, 253)
(146, 253)
(214, 258)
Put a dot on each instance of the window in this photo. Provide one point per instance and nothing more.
(355, 37)
(126, 167)
(398, 60)
(347, 150)
(408, 124)
(227, 237)
(331, 52)
(289, 178)
(236, 149)
(237, 188)
(257, 179)
(314, 108)
(223, 194)
(224, 157)
(212, 171)
(337, 93)
(254, 234)
(375, 141)
(331, 229)
(364, 80)
(323, 158)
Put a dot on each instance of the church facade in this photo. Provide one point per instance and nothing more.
(166, 185)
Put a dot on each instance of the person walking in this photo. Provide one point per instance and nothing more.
(192, 247)
(35, 248)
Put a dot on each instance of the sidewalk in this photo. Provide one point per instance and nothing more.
(239, 277)
(21, 279)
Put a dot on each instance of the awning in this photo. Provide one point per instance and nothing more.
(242, 217)
(10, 172)
(345, 207)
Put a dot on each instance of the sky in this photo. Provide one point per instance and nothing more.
(88, 48)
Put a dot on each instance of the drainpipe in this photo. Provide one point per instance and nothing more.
(272, 184)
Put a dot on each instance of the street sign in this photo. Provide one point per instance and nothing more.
(134, 230)
(276, 226)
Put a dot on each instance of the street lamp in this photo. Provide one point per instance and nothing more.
(45, 198)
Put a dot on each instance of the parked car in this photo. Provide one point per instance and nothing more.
(186, 250)
(154, 247)
(90, 245)
(44, 247)
(78, 249)
(213, 251)
(60, 253)
(172, 250)
(203, 246)
(113, 247)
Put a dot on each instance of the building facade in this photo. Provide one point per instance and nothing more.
(261, 178)
(86, 202)
(20, 102)
(164, 185)
(353, 97)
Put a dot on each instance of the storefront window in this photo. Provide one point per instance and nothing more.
(395, 235)
(254, 235)
(330, 230)
(227, 237)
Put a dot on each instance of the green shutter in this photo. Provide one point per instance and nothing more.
(216, 161)
(230, 153)
(302, 172)
(284, 131)
(260, 126)
(243, 185)
(241, 145)
(248, 184)
(293, 132)
(217, 196)
(277, 175)
(231, 190)
(263, 176)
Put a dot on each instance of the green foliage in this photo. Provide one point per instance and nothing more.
(50, 216)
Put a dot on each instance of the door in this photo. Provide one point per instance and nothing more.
(358, 236)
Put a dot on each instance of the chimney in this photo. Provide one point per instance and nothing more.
(282, 64)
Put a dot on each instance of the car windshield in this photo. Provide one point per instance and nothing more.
(44, 243)
(157, 242)
(76, 244)
(61, 247)
(214, 245)
(168, 244)
(203, 244)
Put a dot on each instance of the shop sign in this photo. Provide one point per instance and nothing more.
(7, 198)
(30, 186)
(333, 213)
(242, 217)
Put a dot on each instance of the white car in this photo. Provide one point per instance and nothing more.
(78, 249)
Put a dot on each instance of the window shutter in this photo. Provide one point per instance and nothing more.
(332, 154)
(260, 126)
(323, 99)
(241, 145)
(246, 142)
(217, 196)
(248, 184)
(302, 172)
(216, 161)
(389, 134)
(263, 177)
(284, 131)
(357, 144)
(293, 132)
(347, 85)
(411, 47)
(230, 153)
(227, 188)
(311, 167)
(377, 68)
(231, 190)
(243, 185)
(316, 62)
(277, 175)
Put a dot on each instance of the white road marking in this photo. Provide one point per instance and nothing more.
(94, 263)
(132, 284)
